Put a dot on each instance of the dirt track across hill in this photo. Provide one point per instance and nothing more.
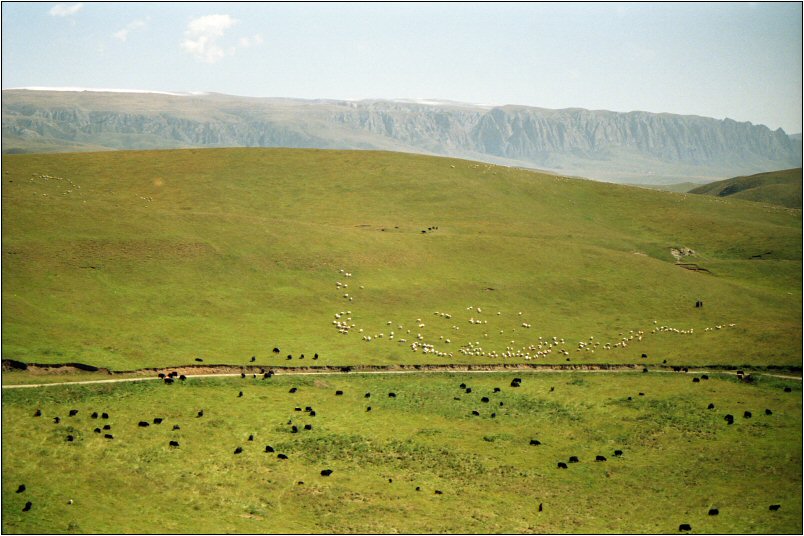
(212, 371)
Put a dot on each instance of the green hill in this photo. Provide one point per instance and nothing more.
(776, 187)
(157, 258)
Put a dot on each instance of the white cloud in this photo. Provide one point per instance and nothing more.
(64, 10)
(202, 34)
(246, 42)
(122, 34)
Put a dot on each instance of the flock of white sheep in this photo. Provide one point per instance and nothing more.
(541, 347)
(72, 186)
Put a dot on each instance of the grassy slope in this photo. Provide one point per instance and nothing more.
(239, 250)
(679, 460)
(777, 187)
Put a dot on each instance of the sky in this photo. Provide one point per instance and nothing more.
(737, 60)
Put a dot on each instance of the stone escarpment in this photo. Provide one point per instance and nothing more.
(632, 147)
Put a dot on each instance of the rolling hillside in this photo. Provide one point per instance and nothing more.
(776, 187)
(159, 258)
(633, 147)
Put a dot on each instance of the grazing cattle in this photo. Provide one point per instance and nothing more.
(747, 415)
(174, 443)
(768, 412)
(253, 358)
(168, 381)
(535, 442)
(552, 389)
(104, 415)
(476, 413)
(367, 395)
(266, 375)
(282, 456)
(296, 409)
(173, 374)
(312, 414)
(618, 452)
(182, 377)
(276, 350)
(326, 472)
(788, 389)
(338, 393)
(514, 384)
(199, 359)
(290, 356)
(294, 429)
(484, 399)
(729, 418)
(308, 426)
(107, 427)
(562, 465)
(308, 408)
(645, 369)
(468, 389)
(200, 413)
(56, 420)
(518, 380)
(573, 459)
(696, 380)
(704, 377)
(641, 394)
(251, 437)
(391, 395)
(540, 507)
(144, 424)
(158, 420)
(315, 356)
(713, 511)
(97, 430)
(27, 506)
(368, 408)
(644, 356)
(242, 375)
(38, 413)
(301, 356)
(240, 394)
(94, 415)
(108, 436)
(269, 448)
(600, 458)
(161, 376)
(774, 507)
(501, 404)
(292, 390)
(711, 406)
(629, 398)
(238, 450)
(418, 488)
(21, 488)
(176, 427)
(740, 373)
(496, 389)
(439, 492)
(493, 415)
(684, 526)
(462, 386)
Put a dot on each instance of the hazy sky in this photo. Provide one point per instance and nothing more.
(737, 60)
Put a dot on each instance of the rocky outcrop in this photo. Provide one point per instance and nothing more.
(633, 147)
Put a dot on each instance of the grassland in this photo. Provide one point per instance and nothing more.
(156, 258)
(679, 458)
(782, 187)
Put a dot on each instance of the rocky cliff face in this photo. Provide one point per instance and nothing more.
(632, 147)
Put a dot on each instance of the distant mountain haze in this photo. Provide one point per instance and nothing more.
(633, 147)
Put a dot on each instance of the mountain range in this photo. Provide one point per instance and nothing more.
(633, 147)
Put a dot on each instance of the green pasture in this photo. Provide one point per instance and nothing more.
(157, 258)
(679, 458)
